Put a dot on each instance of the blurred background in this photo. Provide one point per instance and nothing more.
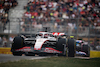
(80, 18)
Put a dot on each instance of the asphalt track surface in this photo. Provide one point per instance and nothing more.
(10, 57)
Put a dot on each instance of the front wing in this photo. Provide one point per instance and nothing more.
(47, 50)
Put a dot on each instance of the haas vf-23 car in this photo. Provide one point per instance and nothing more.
(44, 43)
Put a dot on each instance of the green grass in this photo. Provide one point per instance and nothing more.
(54, 62)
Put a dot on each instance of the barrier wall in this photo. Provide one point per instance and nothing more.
(94, 54)
(5, 50)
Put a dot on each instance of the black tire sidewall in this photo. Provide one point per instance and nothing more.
(18, 42)
(71, 48)
(60, 46)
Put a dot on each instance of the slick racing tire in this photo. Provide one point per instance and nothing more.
(61, 46)
(18, 42)
(17, 53)
(86, 49)
(71, 48)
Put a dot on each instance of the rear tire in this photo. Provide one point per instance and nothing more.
(71, 48)
(86, 49)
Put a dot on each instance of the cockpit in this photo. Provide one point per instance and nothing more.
(44, 35)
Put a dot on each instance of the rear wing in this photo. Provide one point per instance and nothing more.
(58, 34)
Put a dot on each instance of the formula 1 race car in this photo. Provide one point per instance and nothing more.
(44, 43)
(82, 48)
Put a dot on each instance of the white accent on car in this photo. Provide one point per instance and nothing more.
(39, 43)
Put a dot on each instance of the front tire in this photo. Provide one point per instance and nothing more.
(18, 42)
(71, 48)
(61, 46)
(17, 53)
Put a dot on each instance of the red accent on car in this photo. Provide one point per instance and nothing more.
(51, 50)
(57, 33)
(24, 49)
